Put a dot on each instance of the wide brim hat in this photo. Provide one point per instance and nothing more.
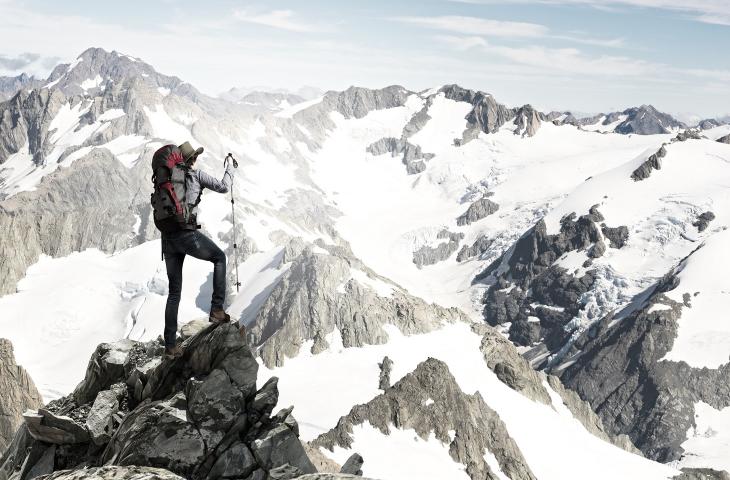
(188, 152)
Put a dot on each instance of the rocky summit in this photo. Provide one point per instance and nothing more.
(138, 414)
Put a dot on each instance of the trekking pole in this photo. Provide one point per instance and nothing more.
(230, 158)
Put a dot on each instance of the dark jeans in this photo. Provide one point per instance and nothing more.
(175, 246)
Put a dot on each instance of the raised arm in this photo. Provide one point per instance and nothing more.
(220, 186)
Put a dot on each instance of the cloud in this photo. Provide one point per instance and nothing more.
(478, 26)
(18, 62)
(464, 25)
(706, 11)
(281, 19)
(564, 60)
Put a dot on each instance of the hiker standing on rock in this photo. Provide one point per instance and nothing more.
(178, 187)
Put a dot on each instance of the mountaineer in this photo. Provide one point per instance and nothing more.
(178, 187)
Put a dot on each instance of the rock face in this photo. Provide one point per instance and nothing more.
(25, 120)
(486, 115)
(654, 162)
(70, 211)
(17, 394)
(620, 374)
(412, 156)
(9, 86)
(428, 255)
(114, 473)
(406, 405)
(537, 298)
(647, 120)
(199, 416)
(527, 121)
(481, 208)
(725, 139)
(320, 295)
(476, 249)
(703, 221)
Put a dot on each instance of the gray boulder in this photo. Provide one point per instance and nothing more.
(353, 465)
(47, 427)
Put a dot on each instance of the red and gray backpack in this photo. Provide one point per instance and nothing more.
(171, 211)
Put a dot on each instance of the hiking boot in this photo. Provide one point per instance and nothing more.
(174, 352)
(218, 315)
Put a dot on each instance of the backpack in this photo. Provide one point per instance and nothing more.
(170, 210)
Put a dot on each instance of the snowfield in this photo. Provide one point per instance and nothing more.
(548, 436)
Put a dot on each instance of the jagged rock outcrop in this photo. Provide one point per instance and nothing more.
(71, 211)
(725, 139)
(428, 255)
(199, 416)
(114, 473)
(527, 121)
(96, 69)
(487, 115)
(538, 299)
(412, 156)
(9, 86)
(703, 221)
(702, 474)
(708, 123)
(17, 393)
(654, 162)
(478, 210)
(319, 293)
(386, 366)
(646, 120)
(430, 401)
(476, 249)
(25, 119)
(620, 373)
(689, 134)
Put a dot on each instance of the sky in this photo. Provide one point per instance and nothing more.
(581, 55)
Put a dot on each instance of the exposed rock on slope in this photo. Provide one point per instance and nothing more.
(620, 373)
(654, 162)
(199, 416)
(412, 156)
(703, 221)
(25, 120)
(17, 393)
(486, 115)
(9, 86)
(647, 120)
(324, 293)
(74, 209)
(468, 416)
(481, 208)
(725, 139)
(537, 298)
(527, 121)
(428, 255)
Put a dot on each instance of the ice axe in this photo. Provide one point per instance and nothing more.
(229, 158)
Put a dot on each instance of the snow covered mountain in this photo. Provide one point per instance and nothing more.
(418, 268)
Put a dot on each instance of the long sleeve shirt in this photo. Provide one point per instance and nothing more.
(197, 180)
